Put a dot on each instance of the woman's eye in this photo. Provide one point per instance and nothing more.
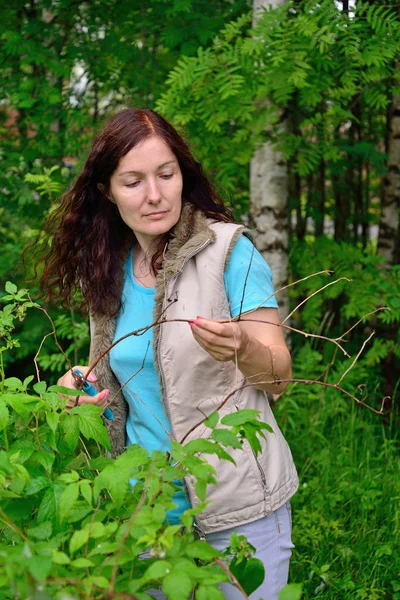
(133, 184)
(167, 175)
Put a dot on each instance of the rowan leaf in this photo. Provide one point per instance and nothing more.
(226, 438)
(240, 417)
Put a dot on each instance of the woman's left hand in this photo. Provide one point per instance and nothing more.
(223, 341)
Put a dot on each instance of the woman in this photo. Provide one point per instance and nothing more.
(144, 235)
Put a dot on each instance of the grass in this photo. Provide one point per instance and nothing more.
(346, 514)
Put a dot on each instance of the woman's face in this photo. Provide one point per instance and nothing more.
(147, 188)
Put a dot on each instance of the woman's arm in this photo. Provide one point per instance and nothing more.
(258, 348)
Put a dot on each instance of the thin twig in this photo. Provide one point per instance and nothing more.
(245, 281)
(356, 357)
(53, 332)
(231, 576)
(37, 355)
(313, 294)
(360, 320)
(327, 272)
(336, 386)
(130, 378)
(11, 524)
(142, 330)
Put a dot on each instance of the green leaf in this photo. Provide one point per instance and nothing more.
(226, 438)
(40, 387)
(3, 415)
(79, 511)
(71, 477)
(23, 404)
(36, 485)
(61, 389)
(250, 573)
(39, 567)
(204, 592)
(82, 563)
(12, 383)
(177, 586)
(70, 428)
(202, 550)
(78, 539)
(240, 417)
(78, 462)
(86, 491)
(41, 532)
(157, 570)
(91, 424)
(201, 488)
(48, 509)
(60, 558)
(27, 381)
(46, 459)
(212, 420)
(68, 499)
(105, 548)
(52, 419)
(293, 591)
(96, 529)
(11, 288)
(207, 447)
(99, 580)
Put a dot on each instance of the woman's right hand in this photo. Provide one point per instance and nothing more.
(68, 381)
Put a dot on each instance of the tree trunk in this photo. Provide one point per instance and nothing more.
(389, 221)
(268, 211)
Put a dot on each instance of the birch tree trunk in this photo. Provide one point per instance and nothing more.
(268, 212)
(389, 226)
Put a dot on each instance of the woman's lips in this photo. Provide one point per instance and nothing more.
(157, 215)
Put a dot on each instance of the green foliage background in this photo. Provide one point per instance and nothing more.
(330, 75)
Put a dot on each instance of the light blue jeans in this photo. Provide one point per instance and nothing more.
(272, 538)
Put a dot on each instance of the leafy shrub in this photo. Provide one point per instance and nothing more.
(74, 525)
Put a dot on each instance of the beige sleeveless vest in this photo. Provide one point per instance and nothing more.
(193, 384)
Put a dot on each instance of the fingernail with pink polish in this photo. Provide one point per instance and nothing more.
(104, 394)
(190, 323)
(92, 377)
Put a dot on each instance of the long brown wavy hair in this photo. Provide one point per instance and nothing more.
(89, 234)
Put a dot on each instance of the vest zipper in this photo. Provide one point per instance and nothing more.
(196, 526)
(167, 410)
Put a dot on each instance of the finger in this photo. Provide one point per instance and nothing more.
(220, 329)
(99, 399)
(212, 344)
(220, 353)
(207, 337)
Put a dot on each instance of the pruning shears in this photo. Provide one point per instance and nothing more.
(90, 391)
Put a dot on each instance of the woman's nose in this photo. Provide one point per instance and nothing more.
(153, 192)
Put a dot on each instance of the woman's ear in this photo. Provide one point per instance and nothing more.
(102, 188)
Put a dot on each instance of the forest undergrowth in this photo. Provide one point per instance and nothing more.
(346, 513)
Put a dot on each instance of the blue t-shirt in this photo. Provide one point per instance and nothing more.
(147, 423)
